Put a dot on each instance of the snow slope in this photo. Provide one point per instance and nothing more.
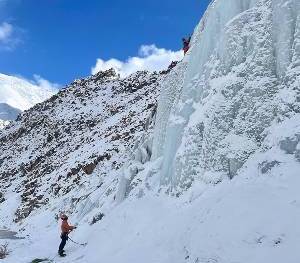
(21, 94)
(76, 141)
(8, 112)
(245, 220)
(213, 178)
(3, 124)
(248, 219)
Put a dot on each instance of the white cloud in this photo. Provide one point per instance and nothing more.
(10, 36)
(150, 58)
(6, 31)
(45, 84)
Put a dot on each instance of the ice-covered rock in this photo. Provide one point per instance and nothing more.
(242, 75)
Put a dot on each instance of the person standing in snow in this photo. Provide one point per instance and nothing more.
(65, 230)
(186, 44)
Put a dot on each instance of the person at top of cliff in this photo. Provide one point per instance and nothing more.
(66, 229)
(186, 44)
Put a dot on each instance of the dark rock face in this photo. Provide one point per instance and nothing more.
(97, 218)
(1, 198)
(265, 167)
(84, 131)
(297, 154)
(89, 168)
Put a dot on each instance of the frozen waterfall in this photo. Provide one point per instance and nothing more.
(212, 115)
(239, 78)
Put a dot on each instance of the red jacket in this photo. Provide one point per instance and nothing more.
(186, 49)
(186, 45)
(65, 227)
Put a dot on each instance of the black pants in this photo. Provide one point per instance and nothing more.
(64, 238)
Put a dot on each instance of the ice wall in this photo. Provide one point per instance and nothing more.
(212, 116)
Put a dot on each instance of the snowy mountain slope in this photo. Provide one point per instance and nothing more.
(21, 94)
(3, 124)
(75, 139)
(8, 112)
(213, 179)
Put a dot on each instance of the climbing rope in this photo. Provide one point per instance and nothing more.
(80, 244)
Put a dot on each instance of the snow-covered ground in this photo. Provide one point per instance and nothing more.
(252, 218)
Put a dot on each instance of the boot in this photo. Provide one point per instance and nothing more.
(61, 253)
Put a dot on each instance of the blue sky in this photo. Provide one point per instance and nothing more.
(61, 40)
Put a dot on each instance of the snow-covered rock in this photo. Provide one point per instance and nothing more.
(3, 124)
(76, 141)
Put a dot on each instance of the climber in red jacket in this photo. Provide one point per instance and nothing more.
(186, 44)
(65, 230)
